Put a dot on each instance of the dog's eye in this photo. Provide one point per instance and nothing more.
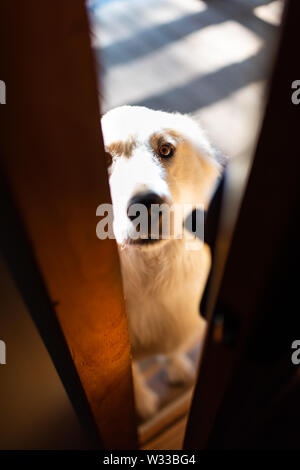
(166, 150)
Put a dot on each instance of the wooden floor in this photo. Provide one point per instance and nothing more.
(168, 425)
(208, 58)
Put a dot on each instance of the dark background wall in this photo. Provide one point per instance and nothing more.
(35, 412)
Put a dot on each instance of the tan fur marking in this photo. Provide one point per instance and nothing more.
(120, 148)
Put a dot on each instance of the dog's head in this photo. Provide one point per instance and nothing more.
(156, 158)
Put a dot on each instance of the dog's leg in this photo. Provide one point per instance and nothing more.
(180, 368)
(146, 400)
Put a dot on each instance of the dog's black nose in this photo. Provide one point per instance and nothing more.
(146, 199)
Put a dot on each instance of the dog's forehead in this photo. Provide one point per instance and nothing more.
(126, 127)
(133, 124)
(131, 127)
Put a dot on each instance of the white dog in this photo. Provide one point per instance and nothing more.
(157, 158)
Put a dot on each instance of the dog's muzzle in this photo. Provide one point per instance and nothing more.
(150, 205)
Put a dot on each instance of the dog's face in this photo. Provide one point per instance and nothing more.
(156, 158)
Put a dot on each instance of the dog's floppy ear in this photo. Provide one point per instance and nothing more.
(187, 126)
(211, 162)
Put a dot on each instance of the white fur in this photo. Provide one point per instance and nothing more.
(163, 282)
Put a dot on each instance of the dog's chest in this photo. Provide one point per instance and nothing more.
(162, 298)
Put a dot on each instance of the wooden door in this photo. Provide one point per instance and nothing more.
(246, 394)
(53, 179)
